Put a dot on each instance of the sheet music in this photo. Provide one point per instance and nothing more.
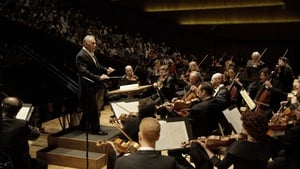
(247, 99)
(233, 116)
(124, 107)
(25, 112)
(172, 134)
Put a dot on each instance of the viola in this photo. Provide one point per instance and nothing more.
(215, 142)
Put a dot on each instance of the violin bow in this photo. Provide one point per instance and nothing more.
(113, 120)
(263, 52)
(135, 68)
(286, 51)
(203, 60)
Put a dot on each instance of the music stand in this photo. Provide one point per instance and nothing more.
(233, 116)
(174, 131)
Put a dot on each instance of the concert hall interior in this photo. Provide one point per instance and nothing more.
(167, 59)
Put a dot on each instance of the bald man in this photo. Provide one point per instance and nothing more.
(15, 134)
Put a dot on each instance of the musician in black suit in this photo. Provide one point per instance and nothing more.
(222, 94)
(204, 118)
(266, 96)
(147, 157)
(163, 89)
(255, 61)
(15, 134)
(283, 76)
(220, 91)
(91, 85)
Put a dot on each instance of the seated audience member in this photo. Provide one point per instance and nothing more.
(253, 152)
(147, 157)
(15, 134)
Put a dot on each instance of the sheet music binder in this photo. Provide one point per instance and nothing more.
(173, 132)
(25, 112)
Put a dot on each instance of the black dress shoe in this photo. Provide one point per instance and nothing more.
(100, 132)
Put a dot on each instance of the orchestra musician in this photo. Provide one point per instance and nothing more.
(192, 67)
(147, 157)
(130, 126)
(255, 61)
(283, 76)
(187, 97)
(232, 82)
(129, 75)
(164, 86)
(252, 152)
(220, 91)
(204, 118)
(288, 155)
(266, 96)
(153, 72)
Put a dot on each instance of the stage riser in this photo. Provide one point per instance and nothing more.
(68, 148)
(73, 158)
(77, 145)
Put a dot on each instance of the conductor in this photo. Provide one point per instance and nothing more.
(91, 86)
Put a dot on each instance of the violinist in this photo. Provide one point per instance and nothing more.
(192, 67)
(266, 96)
(153, 71)
(147, 157)
(255, 61)
(220, 91)
(253, 152)
(283, 76)
(146, 108)
(186, 97)
(288, 156)
(164, 88)
(204, 118)
(129, 74)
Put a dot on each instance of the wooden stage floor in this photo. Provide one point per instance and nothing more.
(53, 126)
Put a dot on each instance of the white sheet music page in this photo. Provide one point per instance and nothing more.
(124, 107)
(233, 116)
(23, 113)
(172, 134)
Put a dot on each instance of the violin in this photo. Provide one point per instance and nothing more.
(283, 119)
(121, 145)
(216, 142)
(178, 105)
(124, 147)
